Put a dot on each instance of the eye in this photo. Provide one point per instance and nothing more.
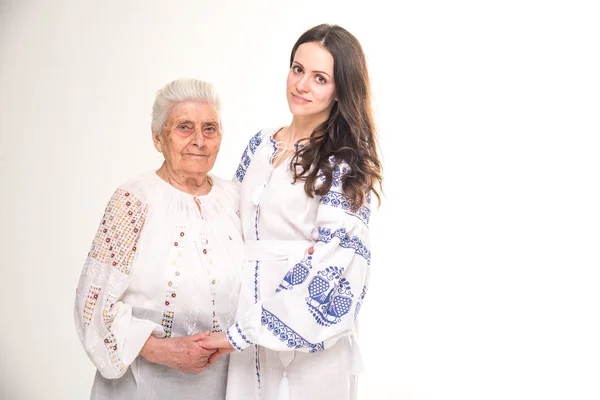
(321, 79)
(184, 128)
(210, 131)
(297, 69)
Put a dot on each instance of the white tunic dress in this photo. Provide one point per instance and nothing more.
(159, 265)
(296, 314)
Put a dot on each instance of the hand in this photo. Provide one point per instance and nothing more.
(184, 353)
(217, 341)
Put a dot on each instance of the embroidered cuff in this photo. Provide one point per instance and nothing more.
(237, 338)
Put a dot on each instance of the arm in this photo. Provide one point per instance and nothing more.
(319, 298)
(109, 333)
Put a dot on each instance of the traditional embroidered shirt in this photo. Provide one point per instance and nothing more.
(296, 313)
(163, 263)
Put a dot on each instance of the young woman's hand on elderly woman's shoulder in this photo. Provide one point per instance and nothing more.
(183, 353)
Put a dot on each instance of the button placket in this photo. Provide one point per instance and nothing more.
(206, 256)
(172, 275)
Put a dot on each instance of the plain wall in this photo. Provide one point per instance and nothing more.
(485, 251)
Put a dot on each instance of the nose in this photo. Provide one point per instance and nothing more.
(198, 138)
(302, 84)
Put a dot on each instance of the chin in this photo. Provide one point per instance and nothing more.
(300, 111)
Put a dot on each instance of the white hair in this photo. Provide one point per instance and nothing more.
(178, 91)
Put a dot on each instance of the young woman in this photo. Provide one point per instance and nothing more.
(304, 183)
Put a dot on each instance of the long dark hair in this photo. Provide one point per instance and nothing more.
(349, 132)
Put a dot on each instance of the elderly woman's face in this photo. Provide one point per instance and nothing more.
(191, 138)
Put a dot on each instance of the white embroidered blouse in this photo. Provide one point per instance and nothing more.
(292, 304)
(159, 265)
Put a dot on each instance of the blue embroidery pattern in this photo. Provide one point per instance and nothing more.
(256, 222)
(286, 334)
(338, 173)
(247, 156)
(325, 236)
(256, 283)
(237, 326)
(296, 275)
(257, 365)
(256, 267)
(329, 302)
(339, 200)
(360, 300)
(233, 343)
(274, 144)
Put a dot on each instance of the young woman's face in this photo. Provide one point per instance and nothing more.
(310, 85)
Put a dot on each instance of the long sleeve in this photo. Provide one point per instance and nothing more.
(319, 298)
(110, 334)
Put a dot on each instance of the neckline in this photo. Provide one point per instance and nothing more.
(286, 160)
(199, 196)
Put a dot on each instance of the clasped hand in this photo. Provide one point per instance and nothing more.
(192, 353)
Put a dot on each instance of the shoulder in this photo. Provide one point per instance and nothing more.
(340, 168)
(226, 188)
(261, 137)
(140, 186)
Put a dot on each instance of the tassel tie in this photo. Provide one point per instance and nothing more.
(286, 358)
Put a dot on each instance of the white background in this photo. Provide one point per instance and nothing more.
(485, 272)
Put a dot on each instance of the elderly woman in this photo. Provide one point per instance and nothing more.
(163, 269)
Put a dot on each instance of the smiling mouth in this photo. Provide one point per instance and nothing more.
(299, 99)
(195, 155)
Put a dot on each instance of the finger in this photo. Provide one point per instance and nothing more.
(198, 336)
(201, 335)
(214, 357)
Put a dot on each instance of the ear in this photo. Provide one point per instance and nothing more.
(158, 141)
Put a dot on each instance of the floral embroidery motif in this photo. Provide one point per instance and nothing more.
(287, 334)
(117, 237)
(90, 305)
(247, 156)
(339, 200)
(111, 345)
(326, 235)
(328, 301)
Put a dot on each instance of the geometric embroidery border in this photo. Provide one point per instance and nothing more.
(116, 240)
(90, 305)
(111, 345)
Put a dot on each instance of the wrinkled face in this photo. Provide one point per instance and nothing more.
(191, 138)
(310, 85)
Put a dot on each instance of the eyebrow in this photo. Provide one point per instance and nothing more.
(183, 121)
(187, 121)
(318, 72)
